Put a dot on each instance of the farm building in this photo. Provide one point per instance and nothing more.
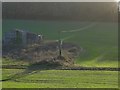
(21, 37)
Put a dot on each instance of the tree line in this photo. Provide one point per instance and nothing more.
(83, 11)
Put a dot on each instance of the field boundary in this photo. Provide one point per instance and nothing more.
(64, 68)
(94, 68)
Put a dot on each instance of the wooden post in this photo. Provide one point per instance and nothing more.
(60, 44)
(60, 47)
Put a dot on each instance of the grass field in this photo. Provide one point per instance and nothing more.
(62, 79)
(99, 40)
(8, 73)
(99, 43)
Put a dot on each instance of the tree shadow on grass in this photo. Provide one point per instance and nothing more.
(34, 68)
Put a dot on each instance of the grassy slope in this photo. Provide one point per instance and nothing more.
(8, 73)
(99, 42)
(65, 79)
(99, 45)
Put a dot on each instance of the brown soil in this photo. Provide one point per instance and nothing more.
(45, 52)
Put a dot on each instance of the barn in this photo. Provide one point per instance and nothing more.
(21, 37)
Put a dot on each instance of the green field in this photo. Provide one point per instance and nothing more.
(61, 79)
(99, 41)
(8, 73)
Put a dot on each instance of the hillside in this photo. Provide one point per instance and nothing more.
(60, 45)
(98, 40)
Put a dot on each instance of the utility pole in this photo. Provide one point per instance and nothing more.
(60, 48)
(59, 44)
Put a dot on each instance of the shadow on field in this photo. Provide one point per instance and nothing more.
(34, 68)
(44, 65)
(51, 65)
